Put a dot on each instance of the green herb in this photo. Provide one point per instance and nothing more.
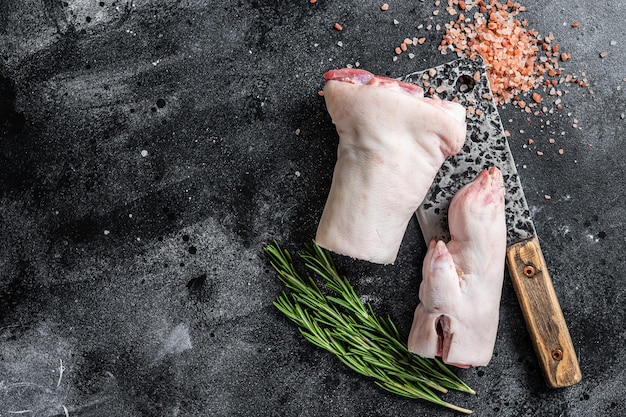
(349, 329)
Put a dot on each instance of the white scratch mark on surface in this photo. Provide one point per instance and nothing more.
(176, 342)
(592, 238)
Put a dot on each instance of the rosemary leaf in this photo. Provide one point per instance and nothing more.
(349, 329)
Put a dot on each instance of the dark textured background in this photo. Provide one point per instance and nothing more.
(148, 152)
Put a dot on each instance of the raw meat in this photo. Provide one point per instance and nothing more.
(461, 287)
(392, 142)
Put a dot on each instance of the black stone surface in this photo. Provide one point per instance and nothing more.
(148, 151)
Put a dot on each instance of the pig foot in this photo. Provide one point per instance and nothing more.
(457, 317)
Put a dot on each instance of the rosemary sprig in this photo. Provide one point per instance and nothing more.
(348, 328)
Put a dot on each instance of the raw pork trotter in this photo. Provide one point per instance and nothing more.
(392, 142)
(457, 318)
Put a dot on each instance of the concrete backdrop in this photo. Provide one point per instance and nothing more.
(149, 151)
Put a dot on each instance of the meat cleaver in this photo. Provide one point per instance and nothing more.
(486, 145)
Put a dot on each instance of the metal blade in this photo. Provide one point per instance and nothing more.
(466, 80)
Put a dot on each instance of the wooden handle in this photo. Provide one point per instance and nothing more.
(542, 313)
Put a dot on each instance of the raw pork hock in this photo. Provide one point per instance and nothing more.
(457, 318)
(392, 142)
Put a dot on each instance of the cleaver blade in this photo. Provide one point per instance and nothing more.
(466, 81)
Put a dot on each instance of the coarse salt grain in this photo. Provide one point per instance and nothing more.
(509, 48)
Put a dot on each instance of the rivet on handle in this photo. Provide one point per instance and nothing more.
(529, 271)
(557, 354)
